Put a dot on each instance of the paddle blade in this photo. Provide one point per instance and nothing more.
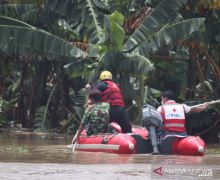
(74, 146)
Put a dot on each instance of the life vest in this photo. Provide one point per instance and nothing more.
(112, 94)
(173, 115)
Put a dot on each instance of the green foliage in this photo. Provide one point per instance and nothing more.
(158, 30)
(94, 17)
(78, 100)
(170, 35)
(20, 149)
(139, 66)
(198, 120)
(131, 71)
(170, 75)
(23, 1)
(118, 63)
(2, 117)
(77, 106)
(114, 32)
(204, 86)
(102, 4)
(82, 17)
(80, 68)
(41, 119)
(53, 31)
(13, 22)
(164, 13)
(24, 12)
(5, 109)
(27, 41)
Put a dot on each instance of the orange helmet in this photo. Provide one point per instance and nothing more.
(105, 75)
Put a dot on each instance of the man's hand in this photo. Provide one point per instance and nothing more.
(88, 86)
(206, 105)
(200, 107)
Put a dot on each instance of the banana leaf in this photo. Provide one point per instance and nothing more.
(114, 32)
(164, 13)
(170, 35)
(82, 15)
(13, 22)
(17, 10)
(33, 41)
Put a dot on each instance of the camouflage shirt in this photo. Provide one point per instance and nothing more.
(96, 118)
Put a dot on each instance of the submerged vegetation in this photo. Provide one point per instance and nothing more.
(49, 51)
(15, 149)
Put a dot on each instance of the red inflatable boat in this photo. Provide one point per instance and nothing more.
(182, 145)
(111, 143)
(138, 143)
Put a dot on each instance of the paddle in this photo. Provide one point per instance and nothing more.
(74, 145)
(81, 128)
(211, 102)
(78, 132)
(70, 146)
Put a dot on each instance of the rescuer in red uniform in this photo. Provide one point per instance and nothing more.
(173, 114)
(111, 93)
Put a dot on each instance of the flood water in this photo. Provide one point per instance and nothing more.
(29, 155)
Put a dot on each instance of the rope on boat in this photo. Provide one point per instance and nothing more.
(99, 135)
(106, 137)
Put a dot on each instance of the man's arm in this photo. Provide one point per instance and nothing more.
(199, 108)
(101, 86)
(159, 109)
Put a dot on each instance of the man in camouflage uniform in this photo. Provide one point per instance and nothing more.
(96, 116)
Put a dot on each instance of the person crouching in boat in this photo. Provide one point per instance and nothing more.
(173, 113)
(96, 116)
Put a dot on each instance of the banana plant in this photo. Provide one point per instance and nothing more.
(117, 53)
(20, 38)
(96, 24)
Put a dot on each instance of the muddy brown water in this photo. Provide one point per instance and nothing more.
(26, 155)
